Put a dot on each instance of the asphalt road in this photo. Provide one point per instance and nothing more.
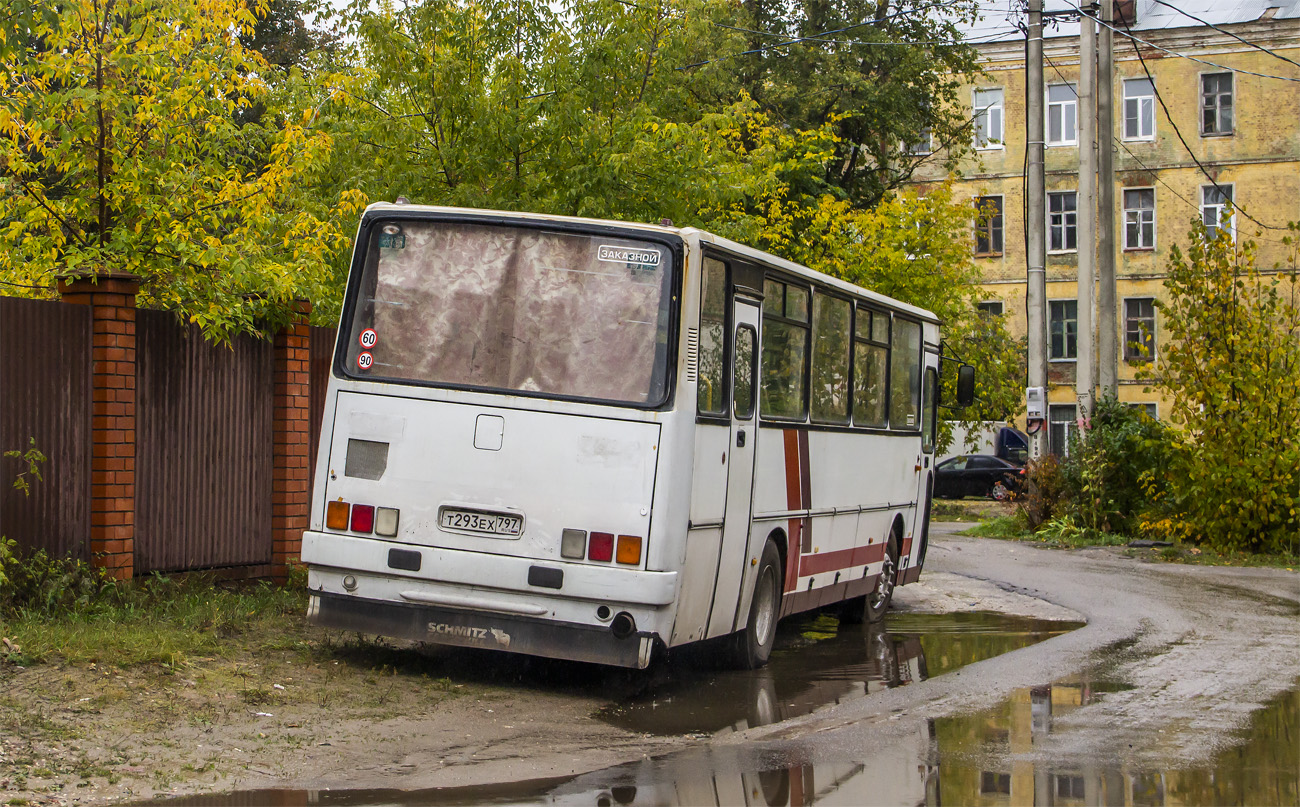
(1186, 655)
(1200, 646)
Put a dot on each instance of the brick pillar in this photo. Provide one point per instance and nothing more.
(291, 475)
(111, 296)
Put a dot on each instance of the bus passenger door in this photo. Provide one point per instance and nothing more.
(925, 462)
(740, 466)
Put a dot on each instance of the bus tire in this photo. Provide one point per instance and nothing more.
(753, 645)
(877, 601)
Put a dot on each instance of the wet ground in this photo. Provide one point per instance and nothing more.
(818, 663)
(1182, 689)
(982, 758)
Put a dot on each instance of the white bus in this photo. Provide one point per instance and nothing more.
(587, 439)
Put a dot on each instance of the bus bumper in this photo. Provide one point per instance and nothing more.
(492, 631)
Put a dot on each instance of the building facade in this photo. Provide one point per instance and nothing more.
(1206, 111)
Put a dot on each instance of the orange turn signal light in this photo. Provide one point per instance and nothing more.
(336, 515)
(629, 549)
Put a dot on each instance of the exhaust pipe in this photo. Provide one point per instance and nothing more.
(623, 625)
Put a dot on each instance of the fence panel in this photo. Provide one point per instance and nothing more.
(203, 449)
(322, 352)
(45, 395)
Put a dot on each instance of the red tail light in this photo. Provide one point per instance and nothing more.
(601, 546)
(363, 518)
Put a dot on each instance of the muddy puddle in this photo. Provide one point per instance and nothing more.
(984, 758)
(817, 663)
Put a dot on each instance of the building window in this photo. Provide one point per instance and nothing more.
(1140, 329)
(1062, 420)
(1139, 109)
(1063, 325)
(922, 145)
(1214, 199)
(1149, 409)
(992, 782)
(988, 225)
(991, 308)
(1062, 112)
(1216, 103)
(1139, 218)
(988, 118)
(1062, 221)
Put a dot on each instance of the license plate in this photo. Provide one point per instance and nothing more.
(508, 524)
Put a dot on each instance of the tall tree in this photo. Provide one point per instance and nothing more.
(120, 151)
(884, 73)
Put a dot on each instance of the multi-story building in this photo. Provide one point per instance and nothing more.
(1206, 111)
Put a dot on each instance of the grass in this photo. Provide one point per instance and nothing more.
(162, 621)
(1064, 534)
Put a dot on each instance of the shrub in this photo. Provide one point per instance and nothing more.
(1232, 367)
(1041, 496)
(1115, 470)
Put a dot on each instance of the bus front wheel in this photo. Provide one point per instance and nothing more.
(753, 645)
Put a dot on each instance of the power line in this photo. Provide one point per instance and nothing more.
(1184, 55)
(1186, 146)
(1125, 146)
(1208, 24)
(819, 38)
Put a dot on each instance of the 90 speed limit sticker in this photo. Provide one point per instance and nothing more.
(368, 338)
(364, 360)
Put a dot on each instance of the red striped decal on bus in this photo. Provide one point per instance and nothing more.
(793, 501)
(907, 547)
(841, 559)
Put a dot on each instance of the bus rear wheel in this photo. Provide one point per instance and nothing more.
(753, 645)
(877, 602)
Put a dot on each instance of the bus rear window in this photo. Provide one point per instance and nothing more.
(513, 309)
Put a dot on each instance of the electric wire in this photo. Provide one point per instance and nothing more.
(1137, 39)
(1123, 145)
(1187, 146)
(1225, 31)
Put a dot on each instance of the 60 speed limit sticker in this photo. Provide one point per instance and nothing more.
(365, 360)
(368, 338)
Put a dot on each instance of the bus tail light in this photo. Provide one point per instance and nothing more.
(601, 546)
(629, 549)
(336, 515)
(386, 521)
(363, 518)
(573, 544)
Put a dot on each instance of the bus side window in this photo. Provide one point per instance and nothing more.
(870, 366)
(905, 376)
(785, 350)
(832, 335)
(712, 393)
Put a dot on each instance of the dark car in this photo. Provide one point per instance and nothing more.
(977, 475)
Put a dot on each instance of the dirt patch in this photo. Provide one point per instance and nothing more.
(945, 593)
(329, 712)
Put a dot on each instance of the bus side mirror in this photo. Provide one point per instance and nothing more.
(965, 385)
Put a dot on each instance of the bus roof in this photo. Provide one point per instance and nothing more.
(688, 233)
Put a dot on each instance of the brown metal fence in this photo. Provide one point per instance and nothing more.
(45, 396)
(203, 449)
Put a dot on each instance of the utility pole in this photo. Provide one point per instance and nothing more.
(1086, 211)
(1036, 213)
(1107, 317)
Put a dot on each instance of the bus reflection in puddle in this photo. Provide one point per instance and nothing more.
(818, 663)
(984, 758)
